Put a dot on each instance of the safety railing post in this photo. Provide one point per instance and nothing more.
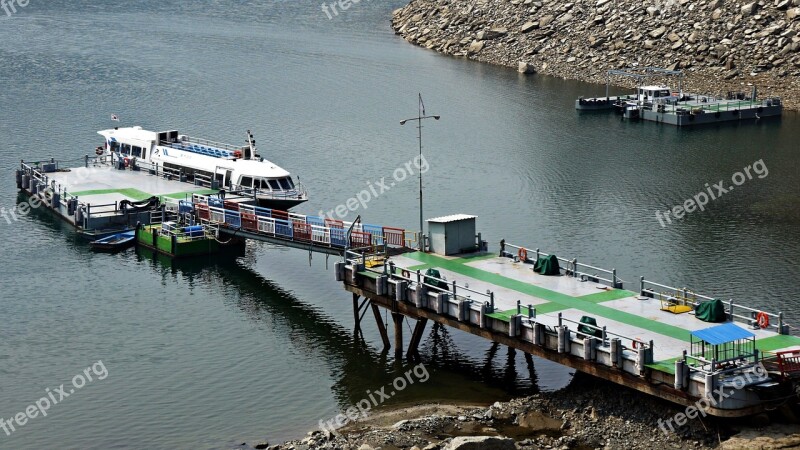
(574, 267)
(780, 323)
(519, 307)
(641, 285)
(730, 307)
(559, 319)
(491, 300)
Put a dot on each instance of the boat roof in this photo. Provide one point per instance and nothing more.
(722, 334)
(654, 88)
(129, 133)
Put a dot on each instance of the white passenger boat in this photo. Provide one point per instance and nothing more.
(237, 169)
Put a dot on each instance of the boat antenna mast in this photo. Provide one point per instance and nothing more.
(251, 147)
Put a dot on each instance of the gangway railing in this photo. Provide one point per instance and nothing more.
(284, 225)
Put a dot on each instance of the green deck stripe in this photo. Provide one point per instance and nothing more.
(129, 192)
(607, 295)
(138, 195)
(552, 296)
(183, 195)
(777, 342)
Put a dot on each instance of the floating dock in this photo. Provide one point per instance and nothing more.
(659, 103)
(103, 197)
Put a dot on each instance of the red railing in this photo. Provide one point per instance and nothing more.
(249, 221)
(301, 231)
(394, 236)
(360, 239)
(202, 211)
(789, 362)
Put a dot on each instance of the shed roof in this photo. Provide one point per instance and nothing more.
(721, 334)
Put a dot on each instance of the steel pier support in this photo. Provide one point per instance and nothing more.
(416, 336)
(398, 334)
(381, 327)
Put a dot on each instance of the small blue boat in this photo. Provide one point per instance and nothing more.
(114, 242)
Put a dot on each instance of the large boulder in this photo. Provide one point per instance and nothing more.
(481, 443)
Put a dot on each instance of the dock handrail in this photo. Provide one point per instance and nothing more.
(730, 306)
(573, 267)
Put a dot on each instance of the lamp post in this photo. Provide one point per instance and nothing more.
(419, 120)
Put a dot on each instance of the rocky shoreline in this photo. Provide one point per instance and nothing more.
(589, 414)
(721, 45)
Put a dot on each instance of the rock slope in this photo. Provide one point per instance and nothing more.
(721, 45)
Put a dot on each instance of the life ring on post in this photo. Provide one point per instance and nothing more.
(523, 254)
(98, 151)
(237, 154)
(406, 273)
(127, 162)
(762, 319)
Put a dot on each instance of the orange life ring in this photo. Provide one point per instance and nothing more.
(637, 342)
(406, 273)
(127, 162)
(762, 319)
(237, 154)
(523, 254)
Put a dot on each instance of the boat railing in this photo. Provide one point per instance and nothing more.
(299, 192)
(571, 266)
(201, 141)
(735, 312)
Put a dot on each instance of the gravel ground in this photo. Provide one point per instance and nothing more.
(589, 414)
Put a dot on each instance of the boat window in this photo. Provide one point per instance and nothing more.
(136, 151)
(285, 184)
(113, 146)
(274, 185)
(126, 149)
(246, 182)
(264, 184)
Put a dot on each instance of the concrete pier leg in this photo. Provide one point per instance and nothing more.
(357, 320)
(416, 337)
(398, 334)
(381, 327)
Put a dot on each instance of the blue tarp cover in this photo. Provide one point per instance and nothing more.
(721, 334)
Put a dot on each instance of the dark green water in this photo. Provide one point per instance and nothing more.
(212, 353)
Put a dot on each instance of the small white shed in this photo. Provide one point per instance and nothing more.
(451, 235)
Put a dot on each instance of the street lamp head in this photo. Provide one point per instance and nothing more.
(402, 122)
(436, 117)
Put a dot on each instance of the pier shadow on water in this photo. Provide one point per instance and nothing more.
(454, 375)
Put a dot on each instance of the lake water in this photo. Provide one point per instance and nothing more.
(214, 352)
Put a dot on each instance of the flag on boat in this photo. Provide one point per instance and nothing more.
(115, 118)
(421, 106)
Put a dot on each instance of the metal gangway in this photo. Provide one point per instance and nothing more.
(313, 233)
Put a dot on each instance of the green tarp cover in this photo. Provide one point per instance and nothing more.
(588, 330)
(711, 311)
(547, 265)
(433, 282)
